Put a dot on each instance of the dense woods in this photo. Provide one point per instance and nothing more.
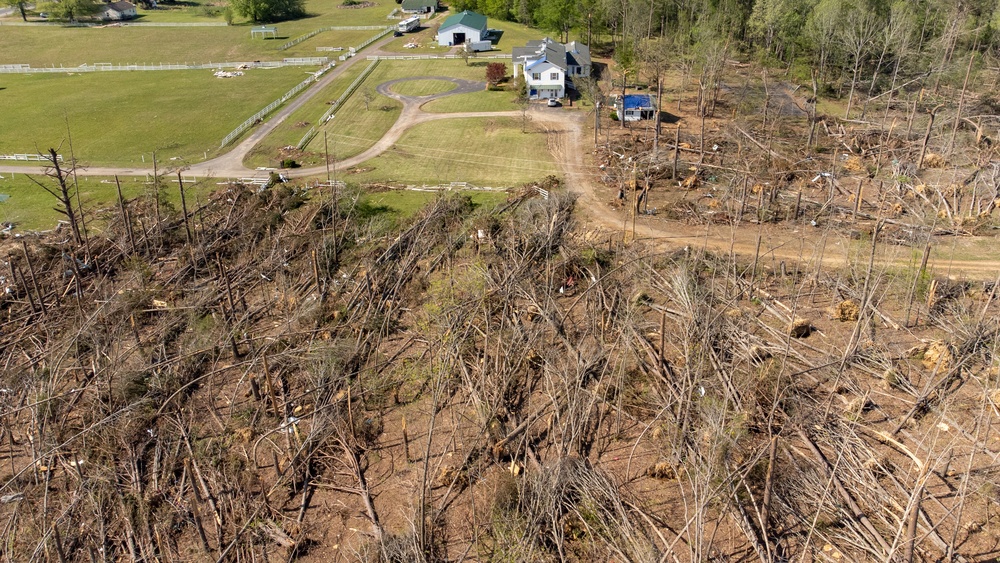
(858, 40)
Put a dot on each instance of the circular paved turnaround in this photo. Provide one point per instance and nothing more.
(462, 87)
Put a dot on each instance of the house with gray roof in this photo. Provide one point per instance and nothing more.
(117, 11)
(548, 66)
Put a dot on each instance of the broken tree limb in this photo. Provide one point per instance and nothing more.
(856, 512)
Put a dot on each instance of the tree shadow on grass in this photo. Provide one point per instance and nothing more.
(367, 210)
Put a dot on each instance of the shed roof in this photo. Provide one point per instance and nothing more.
(637, 101)
(578, 54)
(410, 5)
(121, 6)
(466, 18)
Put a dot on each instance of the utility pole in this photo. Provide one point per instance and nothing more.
(597, 120)
(326, 151)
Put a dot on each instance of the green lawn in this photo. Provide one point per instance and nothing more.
(423, 87)
(340, 38)
(291, 130)
(406, 203)
(354, 129)
(514, 35)
(485, 100)
(482, 151)
(30, 207)
(117, 117)
(74, 46)
(187, 12)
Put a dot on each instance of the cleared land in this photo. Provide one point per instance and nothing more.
(116, 117)
(481, 151)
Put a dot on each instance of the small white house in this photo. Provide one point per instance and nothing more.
(548, 67)
(117, 11)
(461, 28)
(633, 107)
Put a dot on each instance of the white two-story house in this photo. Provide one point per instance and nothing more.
(547, 66)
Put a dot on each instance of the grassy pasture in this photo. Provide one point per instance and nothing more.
(484, 100)
(116, 117)
(31, 208)
(423, 87)
(74, 46)
(483, 151)
(291, 130)
(354, 129)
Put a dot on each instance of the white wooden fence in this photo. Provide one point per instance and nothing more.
(311, 133)
(316, 32)
(108, 67)
(259, 116)
(116, 24)
(29, 157)
(430, 57)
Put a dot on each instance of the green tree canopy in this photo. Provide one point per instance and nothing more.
(71, 9)
(268, 10)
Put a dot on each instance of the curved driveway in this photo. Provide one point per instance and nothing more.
(564, 129)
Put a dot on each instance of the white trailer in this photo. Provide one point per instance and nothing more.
(409, 24)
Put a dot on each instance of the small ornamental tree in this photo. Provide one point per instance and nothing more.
(495, 73)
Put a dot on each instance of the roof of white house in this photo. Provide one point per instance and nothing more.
(540, 51)
(121, 6)
(466, 18)
(547, 50)
(577, 53)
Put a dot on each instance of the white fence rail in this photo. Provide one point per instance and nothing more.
(316, 32)
(311, 133)
(106, 67)
(29, 157)
(375, 38)
(116, 24)
(259, 116)
(170, 24)
(429, 57)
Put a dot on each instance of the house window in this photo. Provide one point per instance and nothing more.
(536, 76)
(554, 76)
